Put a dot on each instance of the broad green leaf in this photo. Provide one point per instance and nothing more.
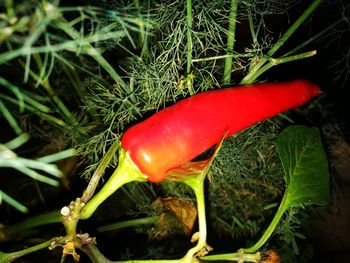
(305, 165)
(306, 173)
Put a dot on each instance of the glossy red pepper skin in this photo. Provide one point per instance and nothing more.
(179, 133)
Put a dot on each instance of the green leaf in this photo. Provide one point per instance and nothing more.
(306, 173)
(305, 165)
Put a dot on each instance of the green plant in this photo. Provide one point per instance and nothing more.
(88, 73)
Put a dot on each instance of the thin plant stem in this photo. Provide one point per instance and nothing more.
(271, 228)
(57, 156)
(274, 62)
(51, 217)
(17, 142)
(94, 254)
(10, 257)
(128, 223)
(90, 189)
(36, 176)
(233, 55)
(251, 26)
(189, 46)
(145, 49)
(239, 257)
(252, 76)
(74, 79)
(10, 119)
(12, 202)
(16, 91)
(231, 37)
(9, 8)
(197, 185)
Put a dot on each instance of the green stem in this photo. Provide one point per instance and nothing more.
(10, 119)
(196, 182)
(233, 55)
(126, 172)
(274, 62)
(95, 254)
(251, 76)
(51, 217)
(270, 229)
(90, 189)
(251, 27)
(231, 37)
(10, 257)
(239, 257)
(17, 142)
(128, 223)
(14, 203)
(189, 46)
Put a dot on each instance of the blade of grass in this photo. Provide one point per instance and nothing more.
(12, 202)
(33, 174)
(10, 119)
(72, 46)
(56, 100)
(15, 90)
(40, 27)
(47, 117)
(62, 24)
(57, 156)
(33, 164)
(22, 96)
(17, 142)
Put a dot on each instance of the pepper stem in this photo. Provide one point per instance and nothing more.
(126, 172)
(197, 184)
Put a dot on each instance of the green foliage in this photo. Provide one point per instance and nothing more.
(306, 174)
(43, 48)
(83, 74)
(29, 167)
(246, 181)
(305, 165)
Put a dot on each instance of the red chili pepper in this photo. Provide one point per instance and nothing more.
(179, 133)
